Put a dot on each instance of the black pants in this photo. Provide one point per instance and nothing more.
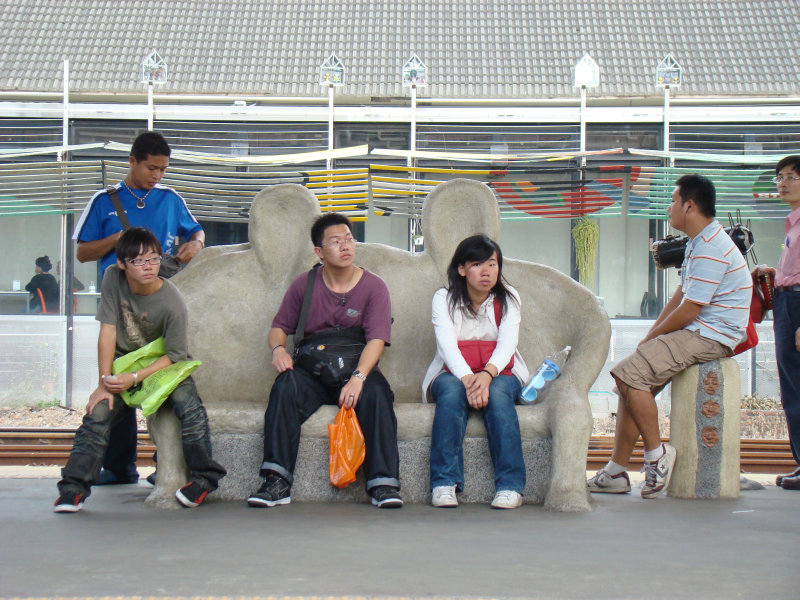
(120, 457)
(92, 437)
(786, 313)
(296, 395)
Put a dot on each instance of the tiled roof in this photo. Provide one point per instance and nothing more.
(472, 48)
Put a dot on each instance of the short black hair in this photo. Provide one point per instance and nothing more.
(149, 143)
(325, 221)
(701, 190)
(136, 241)
(477, 248)
(792, 161)
(43, 262)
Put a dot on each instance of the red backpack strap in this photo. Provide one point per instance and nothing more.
(497, 316)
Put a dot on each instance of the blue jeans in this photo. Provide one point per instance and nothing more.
(91, 441)
(786, 314)
(502, 432)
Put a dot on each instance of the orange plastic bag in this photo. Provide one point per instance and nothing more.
(346, 448)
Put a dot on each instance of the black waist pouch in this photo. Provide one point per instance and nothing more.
(331, 356)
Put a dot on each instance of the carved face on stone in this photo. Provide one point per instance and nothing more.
(711, 383)
(710, 436)
(710, 408)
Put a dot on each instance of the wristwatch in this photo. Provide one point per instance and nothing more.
(360, 375)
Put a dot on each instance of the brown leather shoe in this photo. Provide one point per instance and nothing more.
(791, 483)
(779, 479)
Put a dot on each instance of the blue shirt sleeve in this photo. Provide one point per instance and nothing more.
(91, 226)
(187, 225)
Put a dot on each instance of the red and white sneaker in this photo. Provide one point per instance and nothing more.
(658, 473)
(603, 483)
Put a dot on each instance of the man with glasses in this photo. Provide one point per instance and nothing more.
(786, 311)
(160, 209)
(136, 308)
(344, 296)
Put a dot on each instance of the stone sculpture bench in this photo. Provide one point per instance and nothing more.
(234, 291)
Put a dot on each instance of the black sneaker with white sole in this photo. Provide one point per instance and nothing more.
(191, 495)
(69, 502)
(386, 496)
(274, 491)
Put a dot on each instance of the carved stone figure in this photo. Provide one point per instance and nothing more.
(233, 292)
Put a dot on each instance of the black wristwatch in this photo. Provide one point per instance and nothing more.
(360, 375)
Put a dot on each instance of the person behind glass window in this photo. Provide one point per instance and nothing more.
(44, 282)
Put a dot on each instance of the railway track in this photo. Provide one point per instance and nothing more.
(33, 446)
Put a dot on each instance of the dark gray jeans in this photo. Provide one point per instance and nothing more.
(91, 441)
(296, 395)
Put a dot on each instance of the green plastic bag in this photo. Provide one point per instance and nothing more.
(156, 388)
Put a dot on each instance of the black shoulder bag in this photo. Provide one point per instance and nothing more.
(332, 355)
(169, 264)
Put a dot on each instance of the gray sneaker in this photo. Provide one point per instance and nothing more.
(658, 473)
(603, 483)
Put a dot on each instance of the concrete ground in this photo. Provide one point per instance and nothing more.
(626, 548)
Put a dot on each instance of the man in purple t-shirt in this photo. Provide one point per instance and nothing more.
(344, 296)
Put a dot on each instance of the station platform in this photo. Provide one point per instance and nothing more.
(626, 548)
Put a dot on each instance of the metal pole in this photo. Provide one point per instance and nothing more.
(65, 112)
(583, 125)
(666, 125)
(149, 106)
(413, 124)
(411, 163)
(66, 251)
(661, 225)
(329, 161)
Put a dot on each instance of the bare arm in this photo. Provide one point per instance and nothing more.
(370, 355)
(281, 359)
(188, 250)
(673, 303)
(679, 318)
(88, 251)
(125, 381)
(106, 344)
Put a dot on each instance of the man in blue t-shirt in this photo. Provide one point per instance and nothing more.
(159, 209)
(146, 203)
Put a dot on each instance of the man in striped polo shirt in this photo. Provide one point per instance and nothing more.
(704, 320)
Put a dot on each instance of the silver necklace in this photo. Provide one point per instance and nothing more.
(140, 201)
(343, 297)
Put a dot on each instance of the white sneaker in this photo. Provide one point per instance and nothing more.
(604, 483)
(658, 473)
(507, 499)
(444, 496)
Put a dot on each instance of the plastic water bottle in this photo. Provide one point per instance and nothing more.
(539, 382)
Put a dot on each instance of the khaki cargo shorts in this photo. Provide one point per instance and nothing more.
(657, 361)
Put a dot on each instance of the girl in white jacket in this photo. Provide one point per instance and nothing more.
(477, 366)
